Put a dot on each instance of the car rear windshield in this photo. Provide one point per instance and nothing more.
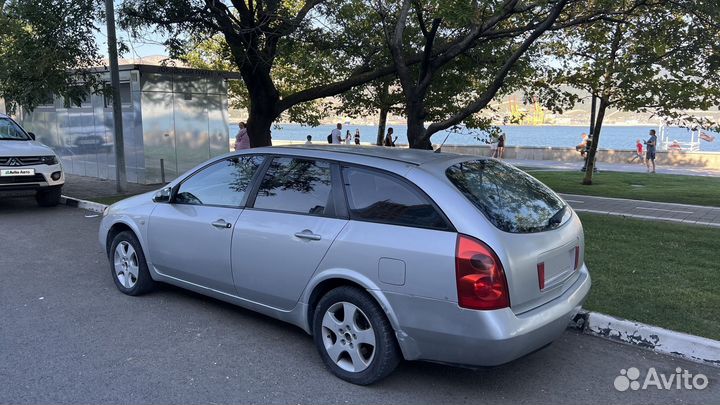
(510, 198)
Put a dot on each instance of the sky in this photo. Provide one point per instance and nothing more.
(148, 46)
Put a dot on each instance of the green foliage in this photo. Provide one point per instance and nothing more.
(43, 46)
(666, 62)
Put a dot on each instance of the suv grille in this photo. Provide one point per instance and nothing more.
(21, 161)
(38, 178)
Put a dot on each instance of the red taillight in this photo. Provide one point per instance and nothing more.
(480, 277)
(577, 257)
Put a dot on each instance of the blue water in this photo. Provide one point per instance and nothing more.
(612, 137)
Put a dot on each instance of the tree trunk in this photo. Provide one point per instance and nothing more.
(415, 111)
(587, 180)
(593, 108)
(381, 125)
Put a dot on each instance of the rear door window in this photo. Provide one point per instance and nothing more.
(301, 186)
(376, 197)
(511, 199)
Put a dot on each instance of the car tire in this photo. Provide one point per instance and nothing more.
(354, 337)
(49, 197)
(128, 266)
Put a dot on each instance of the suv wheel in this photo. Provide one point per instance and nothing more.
(127, 263)
(354, 337)
(49, 197)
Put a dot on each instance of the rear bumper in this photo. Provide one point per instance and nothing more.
(441, 331)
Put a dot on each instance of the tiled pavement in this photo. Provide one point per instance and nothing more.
(688, 214)
(85, 188)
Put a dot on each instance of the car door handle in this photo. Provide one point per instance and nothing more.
(307, 234)
(220, 223)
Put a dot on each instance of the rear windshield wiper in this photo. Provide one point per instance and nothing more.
(556, 219)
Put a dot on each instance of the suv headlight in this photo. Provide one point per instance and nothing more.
(49, 160)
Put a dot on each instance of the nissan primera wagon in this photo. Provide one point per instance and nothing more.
(381, 255)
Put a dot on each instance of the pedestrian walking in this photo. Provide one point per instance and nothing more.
(242, 139)
(389, 141)
(638, 152)
(309, 140)
(357, 136)
(651, 143)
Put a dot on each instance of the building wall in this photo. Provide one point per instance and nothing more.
(181, 119)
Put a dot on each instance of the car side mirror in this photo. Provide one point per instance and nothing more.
(163, 195)
(32, 135)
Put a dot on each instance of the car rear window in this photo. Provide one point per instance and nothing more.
(510, 198)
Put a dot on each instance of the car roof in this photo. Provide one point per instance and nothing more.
(3, 115)
(415, 157)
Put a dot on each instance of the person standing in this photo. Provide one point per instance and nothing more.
(638, 152)
(348, 137)
(389, 141)
(500, 147)
(336, 134)
(582, 145)
(357, 136)
(309, 140)
(242, 139)
(651, 143)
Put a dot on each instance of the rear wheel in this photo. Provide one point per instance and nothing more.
(49, 197)
(354, 337)
(127, 263)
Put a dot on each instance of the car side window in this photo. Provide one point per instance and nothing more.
(377, 197)
(223, 183)
(296, 185)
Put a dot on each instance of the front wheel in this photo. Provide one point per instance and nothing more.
(127, 263)
(354, 337)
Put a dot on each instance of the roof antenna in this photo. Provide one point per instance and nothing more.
(438, 150)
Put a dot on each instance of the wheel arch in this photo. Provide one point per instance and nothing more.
(328, 281)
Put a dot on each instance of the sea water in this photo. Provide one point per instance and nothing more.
(611, 137)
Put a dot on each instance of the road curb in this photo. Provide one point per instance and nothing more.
(690, 347)
(84, 204)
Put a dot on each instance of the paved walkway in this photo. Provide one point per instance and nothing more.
(687, 214)
(614, 167)
(85, 188)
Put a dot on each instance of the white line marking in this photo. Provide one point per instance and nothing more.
(660, 209)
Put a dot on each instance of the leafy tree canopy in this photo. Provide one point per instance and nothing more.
(43, 44)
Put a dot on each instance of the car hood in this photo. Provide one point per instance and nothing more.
(24, 148)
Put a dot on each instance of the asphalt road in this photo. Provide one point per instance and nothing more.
(68, 336)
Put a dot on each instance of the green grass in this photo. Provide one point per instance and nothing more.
(654, 272)
(696, 190)
(112, 199)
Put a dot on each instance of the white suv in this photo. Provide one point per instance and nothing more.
(27, 165)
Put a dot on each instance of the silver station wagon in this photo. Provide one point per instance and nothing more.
(379, 254)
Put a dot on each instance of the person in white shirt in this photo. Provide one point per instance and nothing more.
(336, 134)
(309, 140)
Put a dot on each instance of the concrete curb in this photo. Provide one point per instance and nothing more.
(84, 204)
(689, 347)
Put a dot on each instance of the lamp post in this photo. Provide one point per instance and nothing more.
(120, 173)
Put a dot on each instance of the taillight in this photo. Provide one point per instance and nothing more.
(481, 282)
(577, 257)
